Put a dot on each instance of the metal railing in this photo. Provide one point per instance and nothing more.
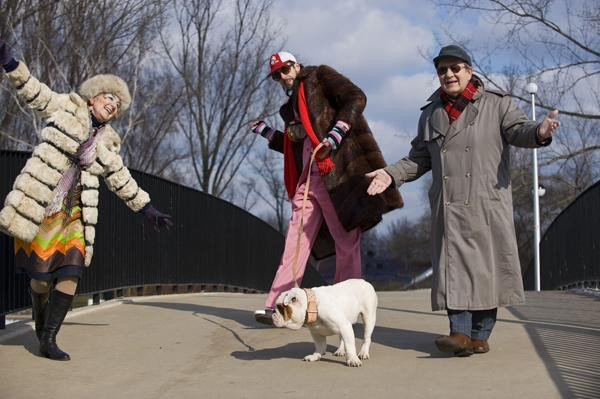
(570, 247)
(213, 244)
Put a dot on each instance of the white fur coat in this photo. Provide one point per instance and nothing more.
(68, 125)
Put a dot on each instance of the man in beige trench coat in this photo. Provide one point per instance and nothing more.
(464, 135)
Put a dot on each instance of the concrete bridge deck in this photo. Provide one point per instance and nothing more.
(209, 346)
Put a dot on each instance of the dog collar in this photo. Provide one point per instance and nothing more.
(311, 307)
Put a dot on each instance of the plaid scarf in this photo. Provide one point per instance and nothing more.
(454, 106)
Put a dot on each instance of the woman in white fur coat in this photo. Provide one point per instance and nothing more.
(52, 208)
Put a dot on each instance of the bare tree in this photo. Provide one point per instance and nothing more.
(65, 42)
(219, 53)
(267, 184)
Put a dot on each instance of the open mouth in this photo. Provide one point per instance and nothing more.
(285, 311)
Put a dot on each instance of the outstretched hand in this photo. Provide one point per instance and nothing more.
(157, 219)
(381, 181)
(548, 125)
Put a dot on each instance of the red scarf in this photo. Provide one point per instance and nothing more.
(455, 106)
(290, 175)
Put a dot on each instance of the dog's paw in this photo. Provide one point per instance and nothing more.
(354, 361)
(312, 358)
(363, 355)
(340, 351)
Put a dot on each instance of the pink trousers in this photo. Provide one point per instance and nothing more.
(318, 208)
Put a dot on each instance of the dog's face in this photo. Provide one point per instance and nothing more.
(290, 309)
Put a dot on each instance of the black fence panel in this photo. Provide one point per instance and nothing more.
(570, 247)
(212, 242)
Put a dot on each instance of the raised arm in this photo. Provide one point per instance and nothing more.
(35, 94)
(517, 129)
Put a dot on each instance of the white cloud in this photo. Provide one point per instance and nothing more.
(360, 38)
(398, 98)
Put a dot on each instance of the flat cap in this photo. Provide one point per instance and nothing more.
(452, 51)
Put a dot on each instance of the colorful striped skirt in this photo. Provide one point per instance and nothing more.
(58, 249)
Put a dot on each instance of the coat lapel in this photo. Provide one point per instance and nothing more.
(467, 116)
(438, 119)
(440, 124)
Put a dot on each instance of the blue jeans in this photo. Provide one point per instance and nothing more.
(477, 324)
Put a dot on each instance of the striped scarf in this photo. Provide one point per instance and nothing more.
(454, 106)
(82, 159)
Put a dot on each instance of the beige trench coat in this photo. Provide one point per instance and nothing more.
(474, 250)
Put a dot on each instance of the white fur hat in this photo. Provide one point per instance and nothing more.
(106, 83)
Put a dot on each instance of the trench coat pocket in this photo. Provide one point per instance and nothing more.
(465, 221)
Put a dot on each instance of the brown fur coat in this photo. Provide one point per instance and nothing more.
(331, 97)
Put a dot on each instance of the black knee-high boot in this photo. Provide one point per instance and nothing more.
(38, 308)
(56, 310)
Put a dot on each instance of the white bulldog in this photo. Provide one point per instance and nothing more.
(338, 307)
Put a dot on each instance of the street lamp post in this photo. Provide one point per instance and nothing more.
(532, 89)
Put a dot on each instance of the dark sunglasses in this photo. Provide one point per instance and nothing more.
(454, 68)
(276, 76)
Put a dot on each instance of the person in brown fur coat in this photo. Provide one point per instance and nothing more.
(323, 107)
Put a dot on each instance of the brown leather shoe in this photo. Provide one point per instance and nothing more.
(480, 346)
(457, 343)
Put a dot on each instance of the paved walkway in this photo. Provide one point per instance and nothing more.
(208, 346)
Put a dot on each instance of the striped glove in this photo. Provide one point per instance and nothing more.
(337, 134)
(261, 127)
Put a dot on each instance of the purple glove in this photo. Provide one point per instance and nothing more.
(157, 219)
(6, 59)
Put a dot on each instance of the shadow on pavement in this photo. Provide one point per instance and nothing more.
(393, 337)
(28, 340)
(564, 330)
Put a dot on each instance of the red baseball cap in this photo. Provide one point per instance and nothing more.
(279, 59)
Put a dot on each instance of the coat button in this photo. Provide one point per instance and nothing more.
(445, 177)
(444, 150)
(447, 203)
(467, 148)
(468, 174)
